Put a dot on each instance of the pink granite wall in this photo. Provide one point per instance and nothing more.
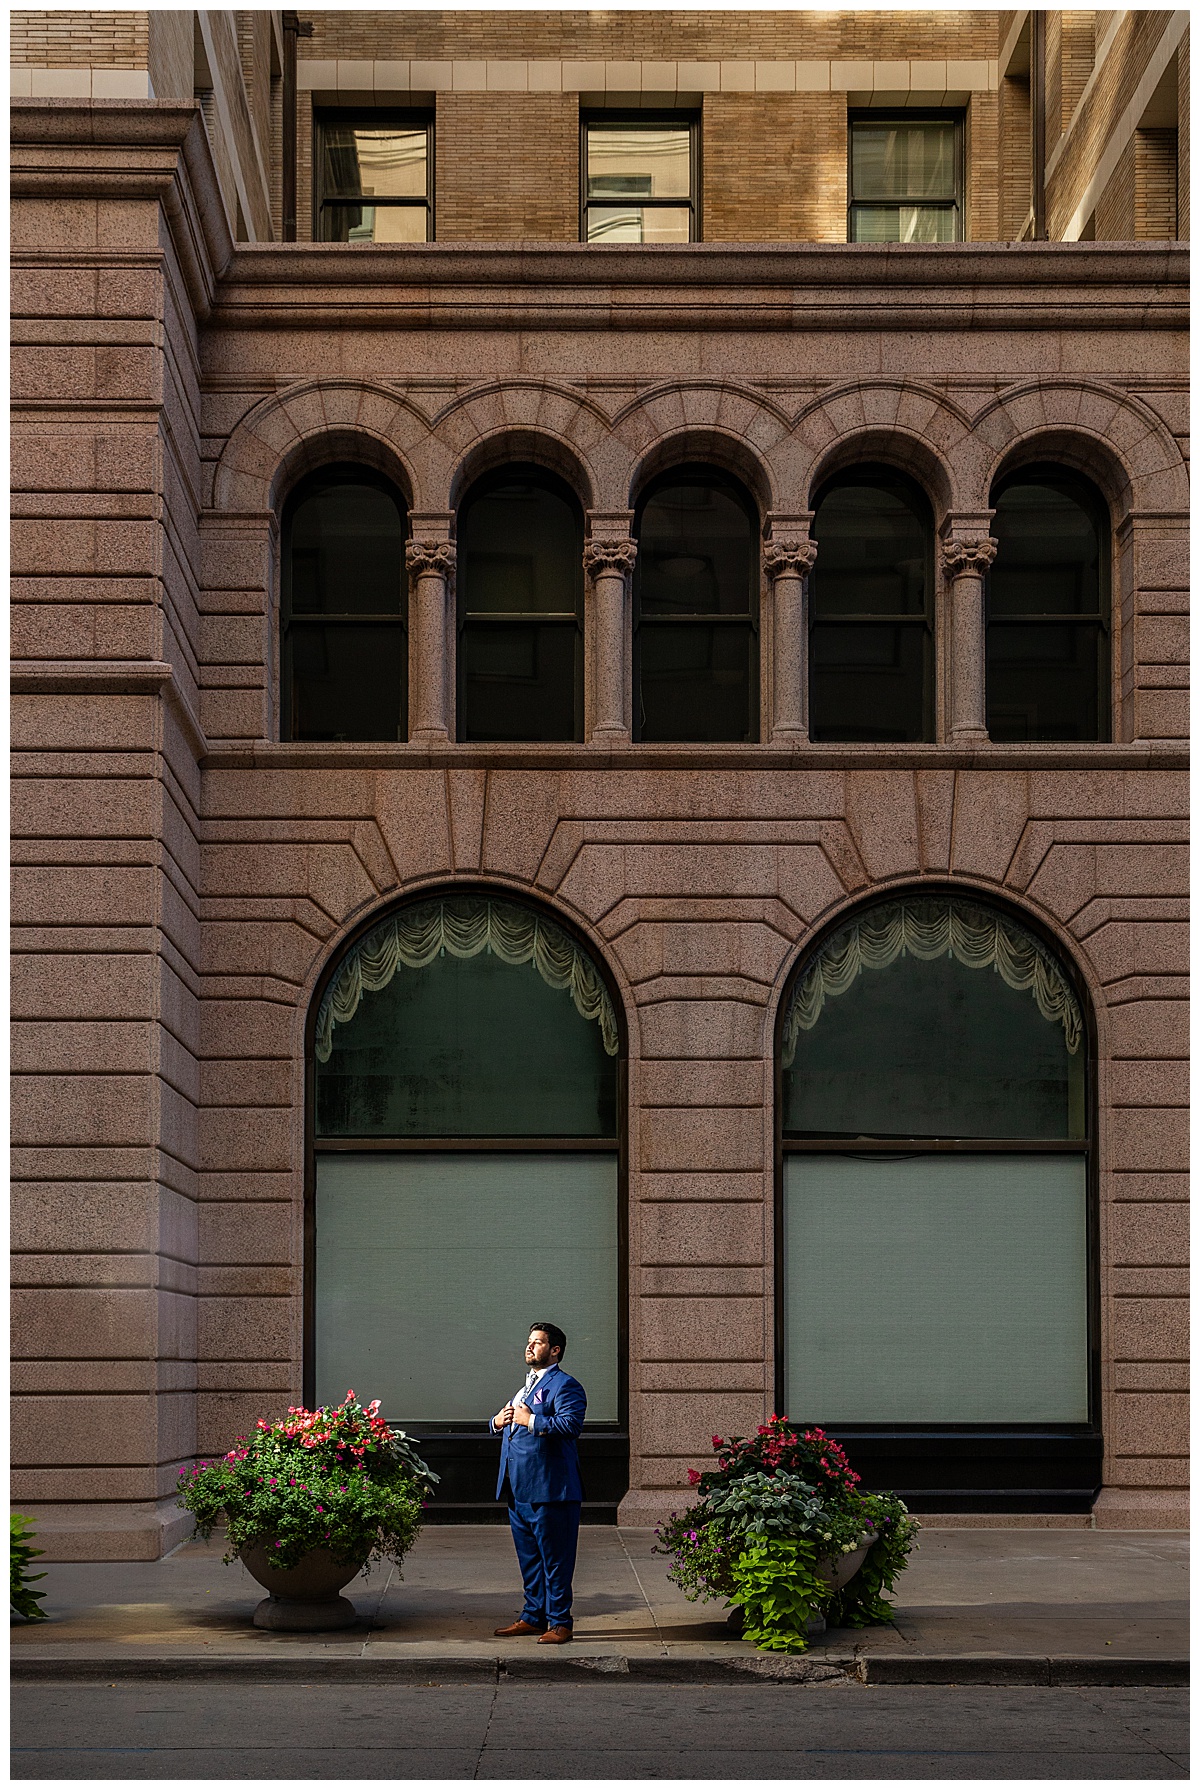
(185, 876)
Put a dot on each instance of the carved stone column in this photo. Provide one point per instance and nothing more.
(965, 560)
(788, 563)
(431, 591)
(609, 564)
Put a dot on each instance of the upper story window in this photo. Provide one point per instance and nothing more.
(639, 179)
(344, 659)
(1048, 609)
(905, 179)
(520, 615)
(375, 178)
(695, 587)
(871, 651)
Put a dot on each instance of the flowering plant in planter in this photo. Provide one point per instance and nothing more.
(337, 1478)
(771, 1524)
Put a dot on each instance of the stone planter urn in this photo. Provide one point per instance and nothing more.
(836, 1571)
(303, 1597)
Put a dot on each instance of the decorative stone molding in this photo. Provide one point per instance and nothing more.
(794, 559)
(431, 559)
(972, 556)
(438, 557)
(600, 557)
(967, 550)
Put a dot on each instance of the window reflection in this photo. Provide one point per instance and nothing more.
(1047, 608)
(374, 182)
(638, 182)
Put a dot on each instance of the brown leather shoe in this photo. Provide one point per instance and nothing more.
(517, 1628)
(554, 1637)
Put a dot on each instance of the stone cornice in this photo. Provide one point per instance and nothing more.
(1145, 755)
(128, 149)
(109, 677)
(707, 286)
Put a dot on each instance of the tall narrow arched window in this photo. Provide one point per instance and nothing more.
(695, 596)
(520, 608)
(1048, 609)
(344, 657)
(934, 1278)
(466, 1091)
(871, 609)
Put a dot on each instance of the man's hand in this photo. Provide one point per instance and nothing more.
(503, 1418)
(521, 1414)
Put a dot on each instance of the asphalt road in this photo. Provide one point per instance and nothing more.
(543, 1731)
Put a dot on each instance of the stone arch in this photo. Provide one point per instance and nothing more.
(1107, 434)
(732, 426)
(899, 422)
(292, 432)
(531, 419)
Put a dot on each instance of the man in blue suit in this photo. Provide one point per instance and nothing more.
(540, 1461)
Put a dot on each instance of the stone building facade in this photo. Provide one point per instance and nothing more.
(189, 879)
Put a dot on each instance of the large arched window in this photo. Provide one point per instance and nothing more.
(695, 660)
(344, 659)
(1048, 609)
(465, 1119)
(934, 1274)
(870, 608)
(520, 608)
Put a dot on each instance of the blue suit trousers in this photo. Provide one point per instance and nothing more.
(546, 1537)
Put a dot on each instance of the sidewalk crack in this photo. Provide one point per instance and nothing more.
(487, 1728)
(637, 1579)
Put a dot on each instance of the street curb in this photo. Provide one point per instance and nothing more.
(869, 1669)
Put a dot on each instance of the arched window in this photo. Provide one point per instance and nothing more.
(934, 1274)
(870, 607)
(520, 608)
(344, 660)
(695, 594)
(465, 1115)
(1048, 609)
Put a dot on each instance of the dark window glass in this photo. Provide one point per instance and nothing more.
(638, 181)
(695, 588)
(374, 180)
(1047, 608)
(904, 180)
(344, 658)
(467, 1047)
(520, 656)
(871, 640)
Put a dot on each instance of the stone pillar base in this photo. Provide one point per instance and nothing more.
(108, 1531)
(646, 1510)
(1117, 1508)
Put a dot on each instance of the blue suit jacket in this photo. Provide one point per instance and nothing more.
(542, 1464)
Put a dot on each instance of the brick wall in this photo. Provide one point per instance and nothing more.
(774, 167)
(1115, 210)
(652, 35)
(172, 55)
(80, 38)
(507, 167)
(1015, 150)
(982, 222)
(1155, 159)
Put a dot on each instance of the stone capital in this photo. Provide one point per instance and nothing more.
(969, 554)
(430, 556)
(609, 556)
(794, 559)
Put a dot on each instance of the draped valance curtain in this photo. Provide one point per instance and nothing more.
(464, 926)
(927, 927)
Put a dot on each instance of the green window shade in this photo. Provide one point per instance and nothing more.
(936, 1289)
(933, 1049)
(430, 1269)
(467, 1047)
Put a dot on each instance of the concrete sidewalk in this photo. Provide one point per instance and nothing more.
(1037, 1606)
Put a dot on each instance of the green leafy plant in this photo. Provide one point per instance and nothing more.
(770, 1522)
(337, 1478)
(22, 1600)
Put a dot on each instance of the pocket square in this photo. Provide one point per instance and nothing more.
(537, 1398)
